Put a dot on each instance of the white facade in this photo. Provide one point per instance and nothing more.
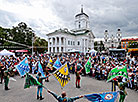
(113, 41)
(81, 38)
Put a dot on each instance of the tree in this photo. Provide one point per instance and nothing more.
(23, 34)
(40, 43)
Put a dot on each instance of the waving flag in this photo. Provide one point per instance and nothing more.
(88, 66)
(62, 75)
(57, 64)
(23, 67)
(30, 81)
(102, 97)
(40, 69)
(118, 71)
(50, 64)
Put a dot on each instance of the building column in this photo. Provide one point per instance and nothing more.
(48, 45)
(52, 45)
(56, 44)
(87, 44)
(84, 45)
(59, 44)
(64, 49)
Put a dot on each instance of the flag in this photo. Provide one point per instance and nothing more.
(50, 64)
(31, 81)
(102, 97)
(57, 64)
(62, 75)
(23, 67)
(88, 66)
(40, 69)
(118, 71)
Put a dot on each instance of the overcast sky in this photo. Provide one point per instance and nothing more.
(45, 16)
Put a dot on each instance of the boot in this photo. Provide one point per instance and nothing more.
(41, 98)
(37, 97)
(6, 88)
(78, 86)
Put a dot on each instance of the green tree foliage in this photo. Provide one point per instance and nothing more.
(40, 44)
(21, 34)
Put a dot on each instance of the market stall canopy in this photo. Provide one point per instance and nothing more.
(6, 53)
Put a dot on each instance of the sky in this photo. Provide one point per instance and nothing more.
(45, 16)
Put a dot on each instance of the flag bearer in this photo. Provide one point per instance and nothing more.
(63, 97)
(123, 93)
(78, 70)
(40, 88)
(6, 79)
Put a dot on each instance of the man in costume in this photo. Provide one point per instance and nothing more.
(78, 69)
(63, 97)
(123, 93)
(6, 78)
(40, 88)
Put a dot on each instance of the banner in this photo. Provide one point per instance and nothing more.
(88, 66)
(23, 67)
(31, 81)
(40, 69)
(50, 64)
(57, 64)
(118, 71)
(62, 75)
(102, 97)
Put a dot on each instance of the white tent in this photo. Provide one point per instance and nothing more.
(6, 53)
(92, 51)
(74, 50)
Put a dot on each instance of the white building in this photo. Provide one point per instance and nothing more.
(81, 38)
(113, 41)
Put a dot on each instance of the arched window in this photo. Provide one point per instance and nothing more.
(78, 43)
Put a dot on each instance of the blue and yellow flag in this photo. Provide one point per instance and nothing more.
(23, 67)
(102, 97)
(50, 64)
(62, 75)
(57, 64)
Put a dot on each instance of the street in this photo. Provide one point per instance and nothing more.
(17, 93)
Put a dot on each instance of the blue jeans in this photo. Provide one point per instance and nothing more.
(39, 89)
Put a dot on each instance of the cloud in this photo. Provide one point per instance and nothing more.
(45, 16)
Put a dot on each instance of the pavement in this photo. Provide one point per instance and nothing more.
(17, 93)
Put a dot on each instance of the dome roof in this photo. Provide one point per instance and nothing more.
(82, 13)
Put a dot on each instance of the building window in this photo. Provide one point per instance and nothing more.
(68, 42)
(123, 45)
(78, 43)
(79, 25)
(73, 42)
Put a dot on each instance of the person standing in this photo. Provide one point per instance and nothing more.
(6, 79)
(78, 69)
(40, 87)
(2, 72)
(122, 91)
(63, 97)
